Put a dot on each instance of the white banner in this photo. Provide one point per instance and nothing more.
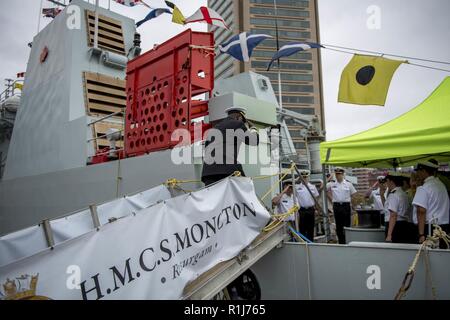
(150, 255)
(27, 242)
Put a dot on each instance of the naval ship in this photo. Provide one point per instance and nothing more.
(79, 138)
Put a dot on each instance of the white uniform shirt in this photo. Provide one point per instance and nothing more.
(304, 197)
(285, 204)
(341, 192)
(434, 198)
(375, 195)
(397, 201)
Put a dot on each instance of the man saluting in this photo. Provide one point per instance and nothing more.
(223, 143)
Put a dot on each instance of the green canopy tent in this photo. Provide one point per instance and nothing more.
(419, 134)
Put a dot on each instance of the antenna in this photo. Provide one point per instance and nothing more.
(39, 17)
(96, 25)
(280, 94)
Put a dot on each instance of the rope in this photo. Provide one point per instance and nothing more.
(118, 178)
(172, 183)
(207, 50)
(410, 63)
(431, 241)
(175, 184)
(279, 218)
(428, 271)
(309, 272)
(236, 174)
(270, 175)
(274, 185)
(387, 54)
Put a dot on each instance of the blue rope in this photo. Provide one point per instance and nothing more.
(299, 234)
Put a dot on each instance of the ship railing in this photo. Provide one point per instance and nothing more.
(103, 136)
(12, 89)
(106, 135)
(105, 117)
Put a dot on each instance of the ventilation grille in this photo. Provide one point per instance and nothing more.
(104, 96)
(110, 34)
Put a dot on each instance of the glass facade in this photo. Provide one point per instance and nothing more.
(297, 99)
(287, 34)
(283, 65)
(281, 23)
(293, 3)
(281, 12)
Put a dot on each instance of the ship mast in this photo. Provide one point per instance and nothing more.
(96, 25)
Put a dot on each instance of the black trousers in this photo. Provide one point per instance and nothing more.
(306, 222)
(342, 215)
(403, 232)
(207, 180)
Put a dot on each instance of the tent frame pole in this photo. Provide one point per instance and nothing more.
(326, 217)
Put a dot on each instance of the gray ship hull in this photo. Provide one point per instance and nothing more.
(358, 271)
(29, 200)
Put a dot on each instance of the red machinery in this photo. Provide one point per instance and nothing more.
(160, 88)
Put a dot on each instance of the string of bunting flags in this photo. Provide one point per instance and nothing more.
(203, 14)
(241, 45)
(364, 81)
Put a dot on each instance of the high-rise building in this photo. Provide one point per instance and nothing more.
(363, 175)
(297, 21)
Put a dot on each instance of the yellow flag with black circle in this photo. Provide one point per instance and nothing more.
(366, 79)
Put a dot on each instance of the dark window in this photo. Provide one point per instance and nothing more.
(299, 145)
(288, 76)
(281, 12)
(284, 65)
(307, 111)
(296, 88)
(293, 3)
(283, 33)
(298, 99)
(281, 23)
(295, 133)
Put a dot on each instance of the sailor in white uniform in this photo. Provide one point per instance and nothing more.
(373, 193)
(340, 193)
(431, 200)
(307, 203)
(398, 214)
(285, 201)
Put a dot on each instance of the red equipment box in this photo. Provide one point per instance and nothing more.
(161, 85)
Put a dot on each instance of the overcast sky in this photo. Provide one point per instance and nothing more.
(414, 28)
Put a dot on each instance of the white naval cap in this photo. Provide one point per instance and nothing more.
(305, 172)
(430, 164)
(339, 170)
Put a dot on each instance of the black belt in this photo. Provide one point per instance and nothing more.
(341, 203)
(309, 208)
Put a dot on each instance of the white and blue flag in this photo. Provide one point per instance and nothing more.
(291, 48)
(153, 14)
(241, 45)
